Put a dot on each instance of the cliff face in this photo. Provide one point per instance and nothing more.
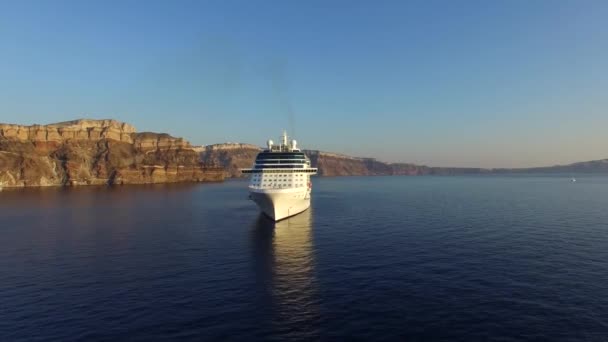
(331, 164)
(230, 157)
(84, 152)
(233, 157)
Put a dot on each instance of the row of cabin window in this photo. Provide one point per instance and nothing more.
(289, 174)
(280, 166)
(282, 175)
(280, 156)
(284, 161)
(256, 171)
(279, 176)
(299, 182)
(279, 185)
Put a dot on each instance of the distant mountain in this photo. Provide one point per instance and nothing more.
(594, 166)
(233, 157)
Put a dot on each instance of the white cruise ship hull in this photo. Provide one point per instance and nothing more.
(279, 204)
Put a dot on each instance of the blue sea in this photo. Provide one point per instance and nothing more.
(476, 258)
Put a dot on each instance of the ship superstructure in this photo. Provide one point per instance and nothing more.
(280, 179)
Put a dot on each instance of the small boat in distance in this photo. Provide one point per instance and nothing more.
(280, 180)
(573, 180)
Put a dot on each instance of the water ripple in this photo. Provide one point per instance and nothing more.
(382, 258)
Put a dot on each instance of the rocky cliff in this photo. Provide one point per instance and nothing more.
(331, 164)
(233, 157)
(230, 156)
(88, 152)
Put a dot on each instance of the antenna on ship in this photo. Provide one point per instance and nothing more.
(284, 142)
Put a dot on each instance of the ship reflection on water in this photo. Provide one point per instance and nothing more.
(284, 267)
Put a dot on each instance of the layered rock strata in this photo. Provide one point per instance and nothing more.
(234, 156)
(91, 152)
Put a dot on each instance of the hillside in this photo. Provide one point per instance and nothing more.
(233, 157)
(89, 152)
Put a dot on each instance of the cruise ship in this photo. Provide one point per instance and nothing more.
(280, 180)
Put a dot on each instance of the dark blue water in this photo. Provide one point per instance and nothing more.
(383, 258)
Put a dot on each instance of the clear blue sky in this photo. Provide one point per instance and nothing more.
(454, 83)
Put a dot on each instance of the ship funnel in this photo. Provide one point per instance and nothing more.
(294, 144)
(270, 143)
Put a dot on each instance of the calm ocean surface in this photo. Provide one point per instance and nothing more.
(386, 258)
